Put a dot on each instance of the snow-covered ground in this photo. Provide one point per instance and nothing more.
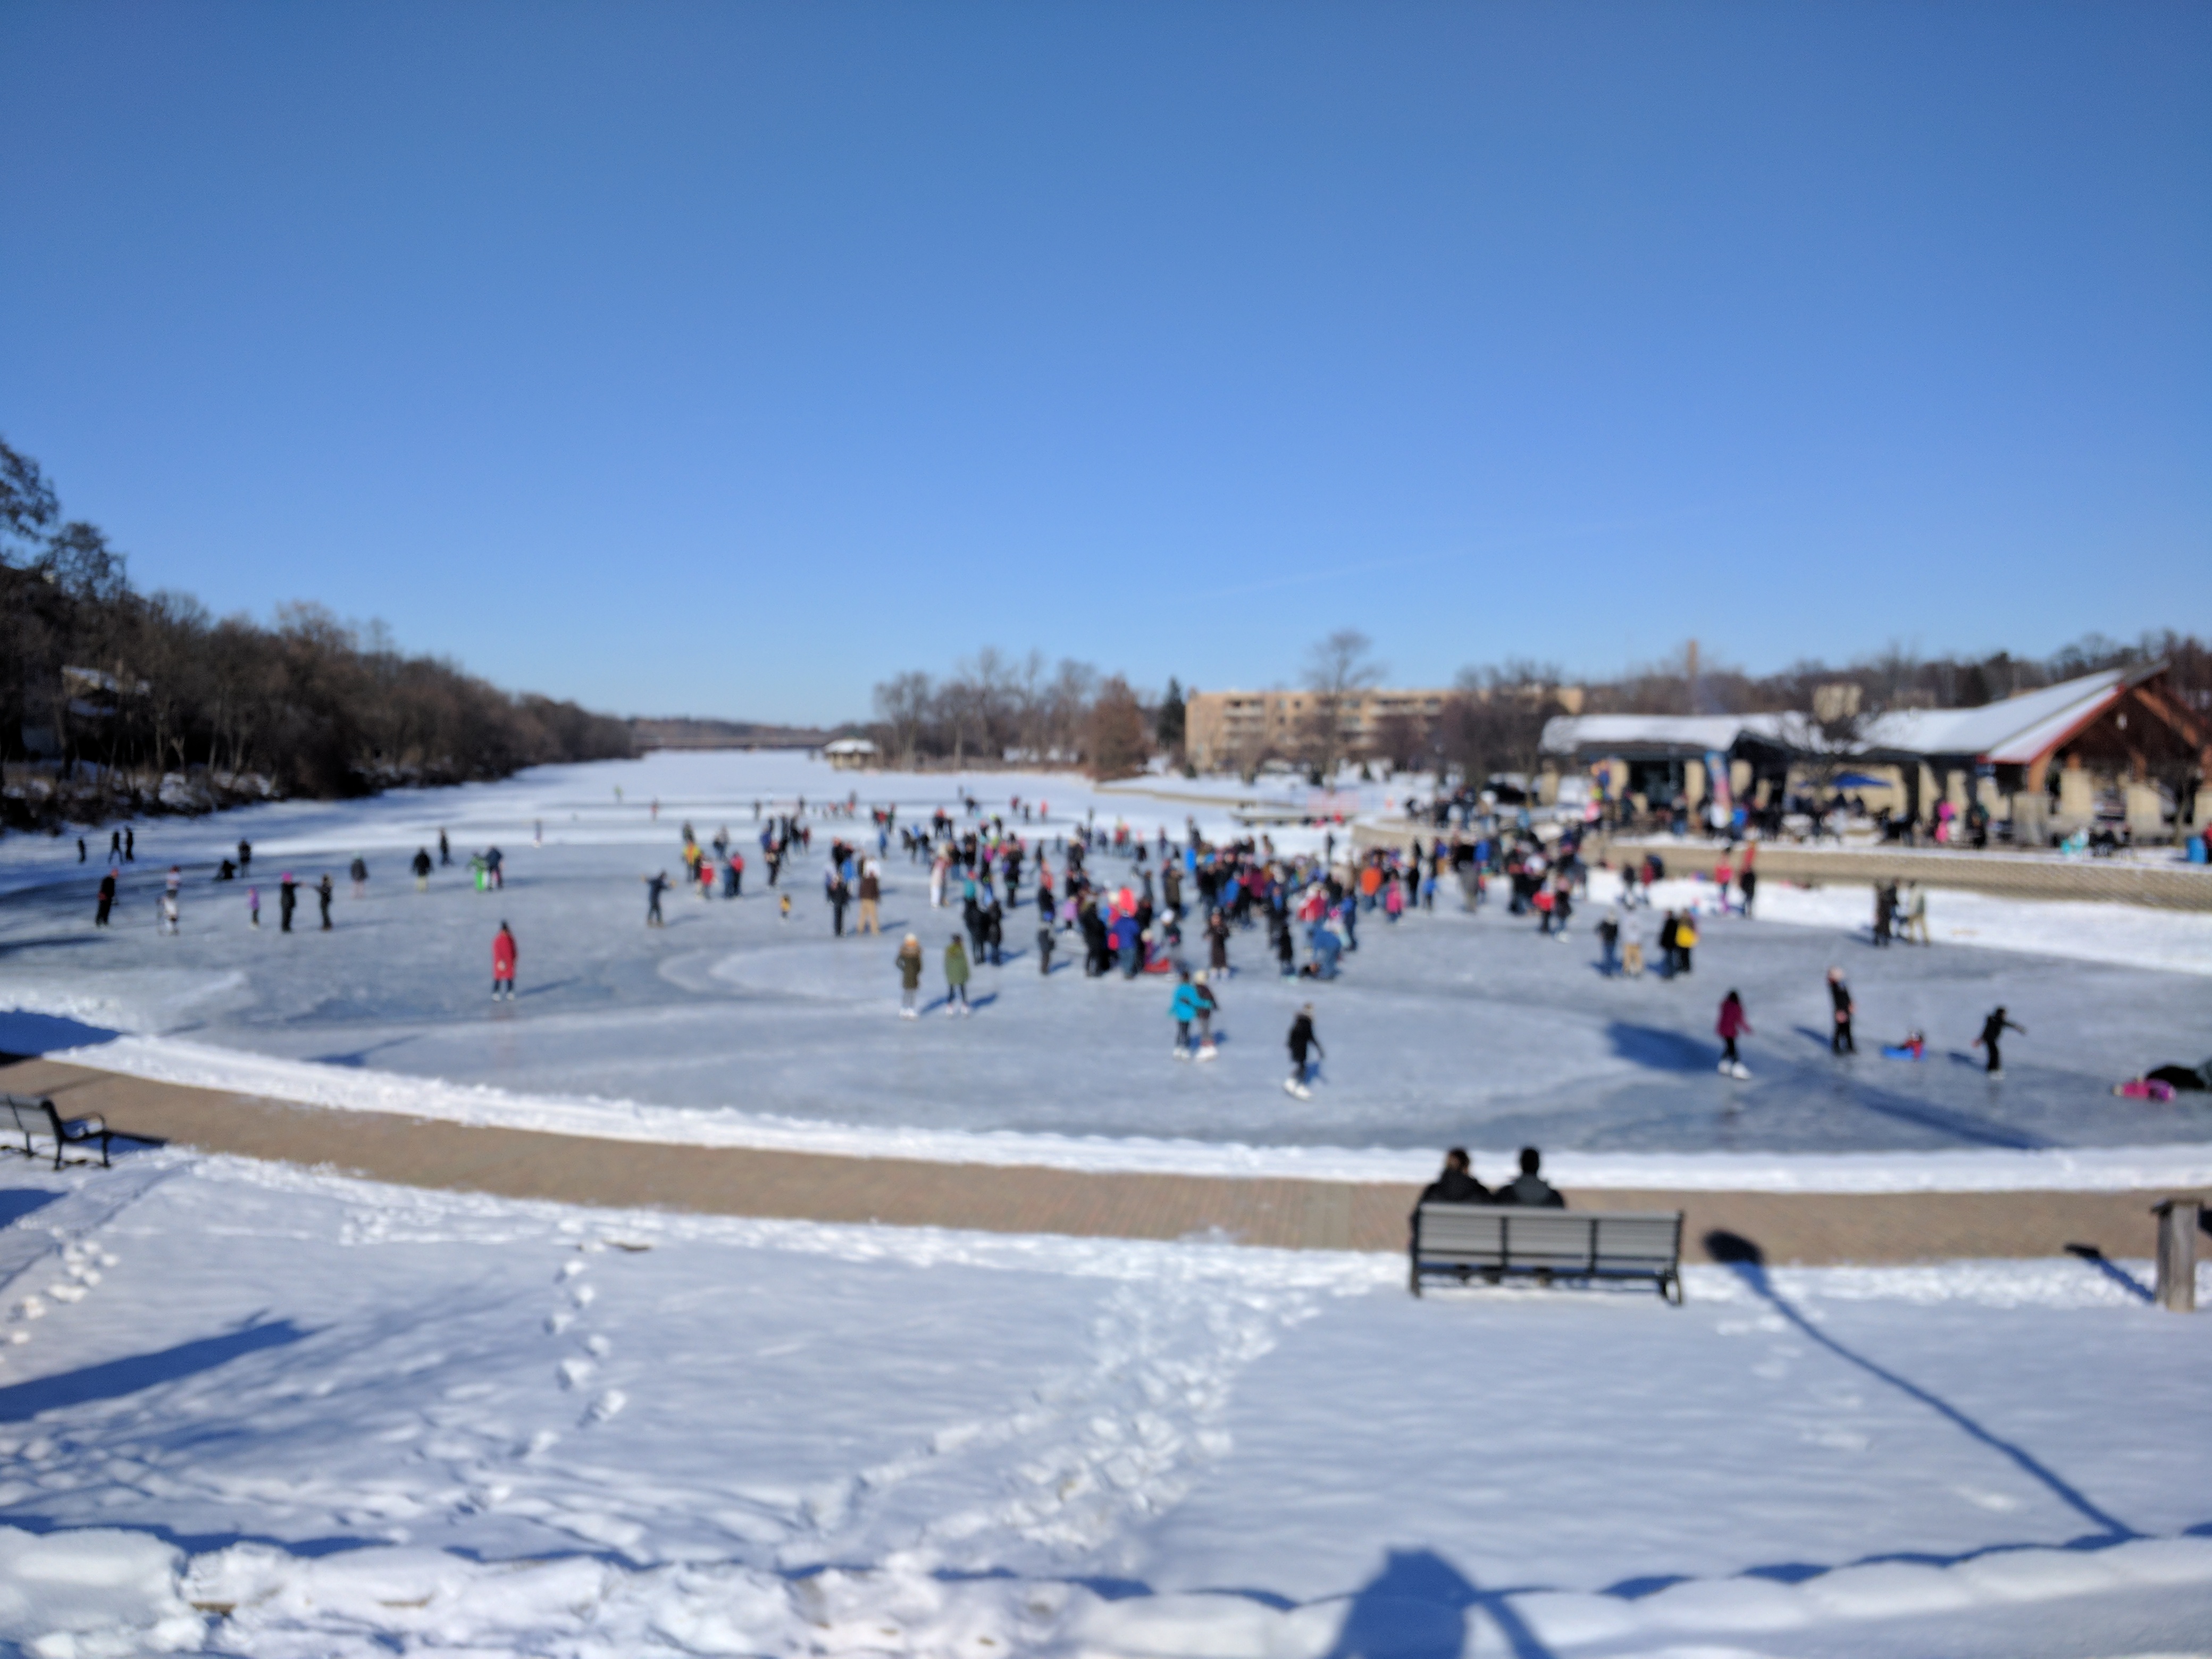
(2127, 935)
(249, 1409)
(733, 1026)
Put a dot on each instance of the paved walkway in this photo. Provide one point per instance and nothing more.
(1804, 1228)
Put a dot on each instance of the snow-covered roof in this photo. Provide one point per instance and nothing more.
(1565, 734)
(849, 746)
(2013, 731)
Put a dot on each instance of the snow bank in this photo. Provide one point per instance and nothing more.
(2125, 935)
(89, 1594)
(2112, 1168)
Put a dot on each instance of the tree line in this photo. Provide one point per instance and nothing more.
(112, 689)
(994, 709)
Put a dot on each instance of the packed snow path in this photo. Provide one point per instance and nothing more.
(2070, 1202)
(254, 1410)
(1446, 1027)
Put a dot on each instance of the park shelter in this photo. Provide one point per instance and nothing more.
(2118, 743)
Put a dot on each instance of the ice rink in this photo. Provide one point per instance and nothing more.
(1446, 1027)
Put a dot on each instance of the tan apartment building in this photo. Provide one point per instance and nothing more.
(1225, 730)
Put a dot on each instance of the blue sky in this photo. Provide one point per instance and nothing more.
(724, 359)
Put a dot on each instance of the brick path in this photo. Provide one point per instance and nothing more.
(1806, 1228)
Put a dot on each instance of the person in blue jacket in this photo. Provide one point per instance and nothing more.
(1183, 1008)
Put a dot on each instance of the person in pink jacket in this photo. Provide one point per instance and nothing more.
(503, 964)
(1731, 1025)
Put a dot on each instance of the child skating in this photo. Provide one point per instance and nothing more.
(1302, 1042)
(1208, 1005)
(1731, 1025)
(1182, 1008)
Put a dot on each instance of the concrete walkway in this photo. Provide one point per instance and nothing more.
(1802, 1228)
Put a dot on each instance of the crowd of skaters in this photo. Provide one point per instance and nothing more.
(1131, 921)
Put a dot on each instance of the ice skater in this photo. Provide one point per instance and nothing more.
(910, 971)
(422, 867)
(106, 900)
(287, 900)
(324, 891)
(253, 907)
(1301, 1042)
(169, 919)
(1840, 1040)
(503, 964)
(360, 876)
(955, 978)
(1731, 1025)
(1182, 1008)
(1993, 1029)
(1208, 1005)
(655, 885)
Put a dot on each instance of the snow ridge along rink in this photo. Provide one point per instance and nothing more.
(247, 1408)
(2058, 1169)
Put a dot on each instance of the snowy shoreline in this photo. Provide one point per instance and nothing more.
(305, 1083)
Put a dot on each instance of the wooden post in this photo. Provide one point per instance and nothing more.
(2177, 1253)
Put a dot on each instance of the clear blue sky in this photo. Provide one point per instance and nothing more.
(723, 359)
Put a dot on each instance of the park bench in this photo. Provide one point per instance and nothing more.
(39, 1118)
(1460, 1241)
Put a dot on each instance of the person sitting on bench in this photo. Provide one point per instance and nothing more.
(1529, 1188)
(1457, 1184)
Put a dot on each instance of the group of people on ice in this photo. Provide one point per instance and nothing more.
(1733, 1023)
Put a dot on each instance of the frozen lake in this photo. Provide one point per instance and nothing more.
(1447, 1027)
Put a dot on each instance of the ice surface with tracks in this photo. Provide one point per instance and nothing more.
(1446, 1027)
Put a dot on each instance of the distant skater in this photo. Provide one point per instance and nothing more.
(323, 891)
(287, 900)
(444, 849)
(106, 900)
(1302, 1042)
(169, 919)
(1839, 996)
(1208, 1006)
(655, 885)
(503, 964)
(1731, 1025)
(955, 977)
(253, 907)
(422, 867)
(1993, 1029)
(360, 873)
(909, 970)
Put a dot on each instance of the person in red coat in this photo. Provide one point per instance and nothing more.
(1731, 1025)
(503, 964)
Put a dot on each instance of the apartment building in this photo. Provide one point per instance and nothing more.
(1230, 729)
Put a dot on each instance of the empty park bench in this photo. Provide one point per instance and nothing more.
(39, 1118)
(1459, 1241)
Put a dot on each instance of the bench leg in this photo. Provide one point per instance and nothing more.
(1413, 1279)
(1670, 1288)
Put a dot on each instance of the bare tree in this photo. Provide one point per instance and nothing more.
(1496, 721)
(1117, 741)
(1337, 669)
